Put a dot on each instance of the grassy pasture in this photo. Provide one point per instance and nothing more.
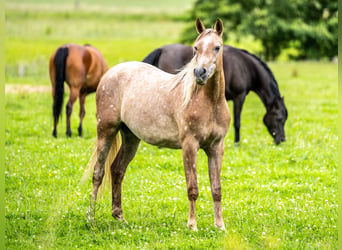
(34, 31)
(274, 197)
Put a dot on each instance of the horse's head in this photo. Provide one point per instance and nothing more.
(275, 119)
(207, 49)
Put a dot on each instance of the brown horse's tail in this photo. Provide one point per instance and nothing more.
(60, 61)
(107, 179)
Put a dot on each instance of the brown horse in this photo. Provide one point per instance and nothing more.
(186, 111)
(82, 68)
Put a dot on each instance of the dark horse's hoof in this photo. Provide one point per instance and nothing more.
(68, 134)
(80, 131)
(54, 133)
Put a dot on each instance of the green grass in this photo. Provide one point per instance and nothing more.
(274, 197)
(33, 33)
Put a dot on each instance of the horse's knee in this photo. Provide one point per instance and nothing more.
(216, 193)
(117, 176)
(192, 193)
(98, 175)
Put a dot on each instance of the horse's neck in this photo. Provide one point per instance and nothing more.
(266, 92)
(215, 87)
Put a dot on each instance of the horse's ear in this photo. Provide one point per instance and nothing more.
(199, 26)
(219, 26)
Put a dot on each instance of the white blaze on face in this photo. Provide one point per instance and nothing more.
(203, 59)
(207, 54)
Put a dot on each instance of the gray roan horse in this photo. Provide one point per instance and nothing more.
(243, 72)
(186, 111)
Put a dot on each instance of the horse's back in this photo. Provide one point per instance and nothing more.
(84, 66)
(243, 72)
(95, 64)
(138, 95)
(174, 57)
(134, 79)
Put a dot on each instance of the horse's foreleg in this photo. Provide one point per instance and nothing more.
(127, 152)
(73, 96)
(190, 148)
(82, 113)
(215, 155)
(238, 102)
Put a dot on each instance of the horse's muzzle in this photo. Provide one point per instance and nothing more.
(201, 75)
(279, 139)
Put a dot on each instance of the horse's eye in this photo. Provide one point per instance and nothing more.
(195, 48)
(217, 48)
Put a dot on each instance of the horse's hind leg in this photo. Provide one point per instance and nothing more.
(82, 113)
(127, 152)
(105, 138)
(74, 92)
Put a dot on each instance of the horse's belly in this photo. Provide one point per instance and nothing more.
(156, 130)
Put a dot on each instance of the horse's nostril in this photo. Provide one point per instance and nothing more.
(199, 71)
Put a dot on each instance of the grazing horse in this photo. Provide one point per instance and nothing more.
(243, 72)
(186, 111)
(82, 68)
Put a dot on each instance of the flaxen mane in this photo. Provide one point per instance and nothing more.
(186, 77)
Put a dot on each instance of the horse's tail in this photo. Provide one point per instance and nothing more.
(60, 63)
(153, 57)
(107, 179)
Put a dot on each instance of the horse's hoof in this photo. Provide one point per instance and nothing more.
(54, 133)
(118, 215)
(192, 227)
(80, 132)
(120, 218)
(221, 227)
(68, 134)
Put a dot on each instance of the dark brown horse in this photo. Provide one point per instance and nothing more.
(81, 67)
(244, 72)
(186, 111)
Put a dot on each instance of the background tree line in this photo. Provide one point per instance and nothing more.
(310, 27)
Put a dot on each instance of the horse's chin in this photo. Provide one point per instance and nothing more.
(201, 81)
(277, 141)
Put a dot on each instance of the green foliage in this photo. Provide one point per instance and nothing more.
(308, 26)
